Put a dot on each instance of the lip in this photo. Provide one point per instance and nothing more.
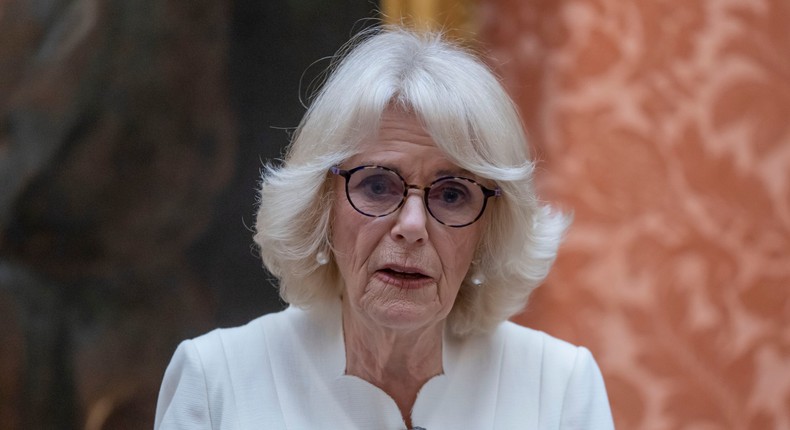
(404, 269)
(385, 275)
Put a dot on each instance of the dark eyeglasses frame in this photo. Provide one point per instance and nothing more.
(487, 192)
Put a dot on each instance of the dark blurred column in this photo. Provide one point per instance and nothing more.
(131, 138)
(115, 140)
(278, 51)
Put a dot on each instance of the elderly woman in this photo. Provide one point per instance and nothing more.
(404, 230)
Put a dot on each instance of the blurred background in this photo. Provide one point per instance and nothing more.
(132, 135)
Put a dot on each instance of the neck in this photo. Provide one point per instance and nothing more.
(398, 362)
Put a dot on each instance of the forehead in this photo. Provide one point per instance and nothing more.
(403, 144)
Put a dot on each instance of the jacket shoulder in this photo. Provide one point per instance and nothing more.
(554, 352)
(569, 383)
(213, 380)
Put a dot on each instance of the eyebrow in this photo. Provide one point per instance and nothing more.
(441, 173)
(457, 172)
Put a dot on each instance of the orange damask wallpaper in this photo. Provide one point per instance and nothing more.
(665, 126)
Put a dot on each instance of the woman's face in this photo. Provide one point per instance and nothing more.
(401, 271)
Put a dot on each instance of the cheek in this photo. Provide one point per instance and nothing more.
(462, 248)
(342, 237)
(353, 240)
(457, 253)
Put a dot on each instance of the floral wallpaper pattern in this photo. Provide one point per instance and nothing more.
(664, 126)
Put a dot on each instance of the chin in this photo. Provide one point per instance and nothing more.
(404, 315)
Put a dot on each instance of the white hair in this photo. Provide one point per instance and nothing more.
(472, 120)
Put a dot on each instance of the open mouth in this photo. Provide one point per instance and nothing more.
(403, 275)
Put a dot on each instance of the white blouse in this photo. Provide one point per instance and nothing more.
(286, 371)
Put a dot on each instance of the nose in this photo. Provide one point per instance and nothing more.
(410, 224)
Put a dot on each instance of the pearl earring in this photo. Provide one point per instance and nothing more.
(321, 257)
(478, 277)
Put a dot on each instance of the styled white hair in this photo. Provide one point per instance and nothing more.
(466, 111)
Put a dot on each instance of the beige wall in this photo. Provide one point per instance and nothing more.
(459, 18)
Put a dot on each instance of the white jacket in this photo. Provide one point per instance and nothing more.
(286, 371)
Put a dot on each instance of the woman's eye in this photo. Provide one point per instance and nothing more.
(379, 185)
(450, 194)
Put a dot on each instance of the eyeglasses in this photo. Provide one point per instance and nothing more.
(377, 191)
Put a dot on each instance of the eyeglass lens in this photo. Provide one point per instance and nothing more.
(376, 191)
